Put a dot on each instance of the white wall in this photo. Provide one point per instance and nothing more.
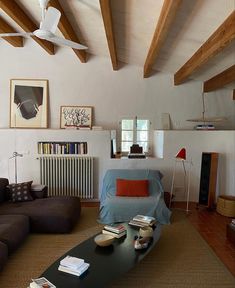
(25, 141)
(113, 95)
(196, 142)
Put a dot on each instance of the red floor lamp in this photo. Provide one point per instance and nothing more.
(181, 158)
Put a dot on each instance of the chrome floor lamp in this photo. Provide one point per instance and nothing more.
(14, 156)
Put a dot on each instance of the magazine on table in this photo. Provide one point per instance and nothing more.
(41, 283)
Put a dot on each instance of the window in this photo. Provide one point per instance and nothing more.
(135, 131)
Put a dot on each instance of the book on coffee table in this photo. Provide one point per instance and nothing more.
(142, 221)
(41, 283)
(78, 272)
(145, 219)
(116, 235)
(116, 228)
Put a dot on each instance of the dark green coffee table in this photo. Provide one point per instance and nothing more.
(106, 263)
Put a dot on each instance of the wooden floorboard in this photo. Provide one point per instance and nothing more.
(212, 227)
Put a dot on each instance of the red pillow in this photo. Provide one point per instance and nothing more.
(132, 188)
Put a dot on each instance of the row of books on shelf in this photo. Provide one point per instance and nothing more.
(62, 148)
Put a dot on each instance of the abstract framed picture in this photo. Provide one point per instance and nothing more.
(75, 116)
(28, 103)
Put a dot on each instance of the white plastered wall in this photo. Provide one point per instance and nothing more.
(123, 93)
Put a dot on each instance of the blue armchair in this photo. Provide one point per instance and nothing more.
(122, 209)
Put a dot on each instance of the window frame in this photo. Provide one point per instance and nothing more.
(135, 133)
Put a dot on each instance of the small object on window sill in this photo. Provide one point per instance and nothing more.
(136, 155)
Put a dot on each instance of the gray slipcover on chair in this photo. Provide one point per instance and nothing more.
(122, 209)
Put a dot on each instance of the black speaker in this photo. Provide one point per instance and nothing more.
(208, 179)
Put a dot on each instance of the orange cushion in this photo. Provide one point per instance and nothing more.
(132, 188)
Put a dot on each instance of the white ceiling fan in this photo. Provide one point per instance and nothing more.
(48, 26)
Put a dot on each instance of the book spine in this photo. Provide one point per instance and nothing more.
(68, 271)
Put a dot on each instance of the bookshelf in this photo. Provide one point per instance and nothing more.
(62, 148)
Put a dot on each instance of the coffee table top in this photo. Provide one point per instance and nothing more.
(106, 263)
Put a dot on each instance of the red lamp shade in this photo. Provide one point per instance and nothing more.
(181, 154)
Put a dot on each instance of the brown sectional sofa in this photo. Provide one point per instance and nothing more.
(43, 214)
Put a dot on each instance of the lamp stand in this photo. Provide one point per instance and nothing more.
(15, 155)
(186, 181)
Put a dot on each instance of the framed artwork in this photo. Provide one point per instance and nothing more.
(28, 103)
(75, 116)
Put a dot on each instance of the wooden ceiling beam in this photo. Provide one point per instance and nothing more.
(220, 80)
(108, 26)
(166, 17)
(16, 41)
(17, 14)
(67, 30)
(221, 38)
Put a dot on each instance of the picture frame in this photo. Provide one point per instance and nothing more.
(28, 103)
(76, 117)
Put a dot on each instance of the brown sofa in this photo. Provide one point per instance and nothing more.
(43, 214)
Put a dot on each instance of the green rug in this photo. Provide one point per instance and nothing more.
(181, 258)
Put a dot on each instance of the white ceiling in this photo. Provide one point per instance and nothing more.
(134, 23)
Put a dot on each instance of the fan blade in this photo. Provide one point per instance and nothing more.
(15, 34)
(65, 42)
(51, 20)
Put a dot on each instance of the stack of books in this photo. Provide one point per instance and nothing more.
(73, 265)
(115, 230)
(142, 221)
(41, 283)
(205, 127)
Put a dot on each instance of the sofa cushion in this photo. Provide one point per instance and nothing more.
(47, 215)
(3, 184)
(13, 230)
(3, 254)
(20, 192)
(132, 188)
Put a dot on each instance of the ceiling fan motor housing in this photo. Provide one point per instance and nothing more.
(43, 34)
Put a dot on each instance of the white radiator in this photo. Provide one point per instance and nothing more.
(67, 176)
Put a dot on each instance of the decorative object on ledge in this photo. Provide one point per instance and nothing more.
(181, 158)
(28, 104)
(204, 119)
(136, 151)
(75, 117)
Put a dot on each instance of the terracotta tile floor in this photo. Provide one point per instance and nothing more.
(212, 227)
